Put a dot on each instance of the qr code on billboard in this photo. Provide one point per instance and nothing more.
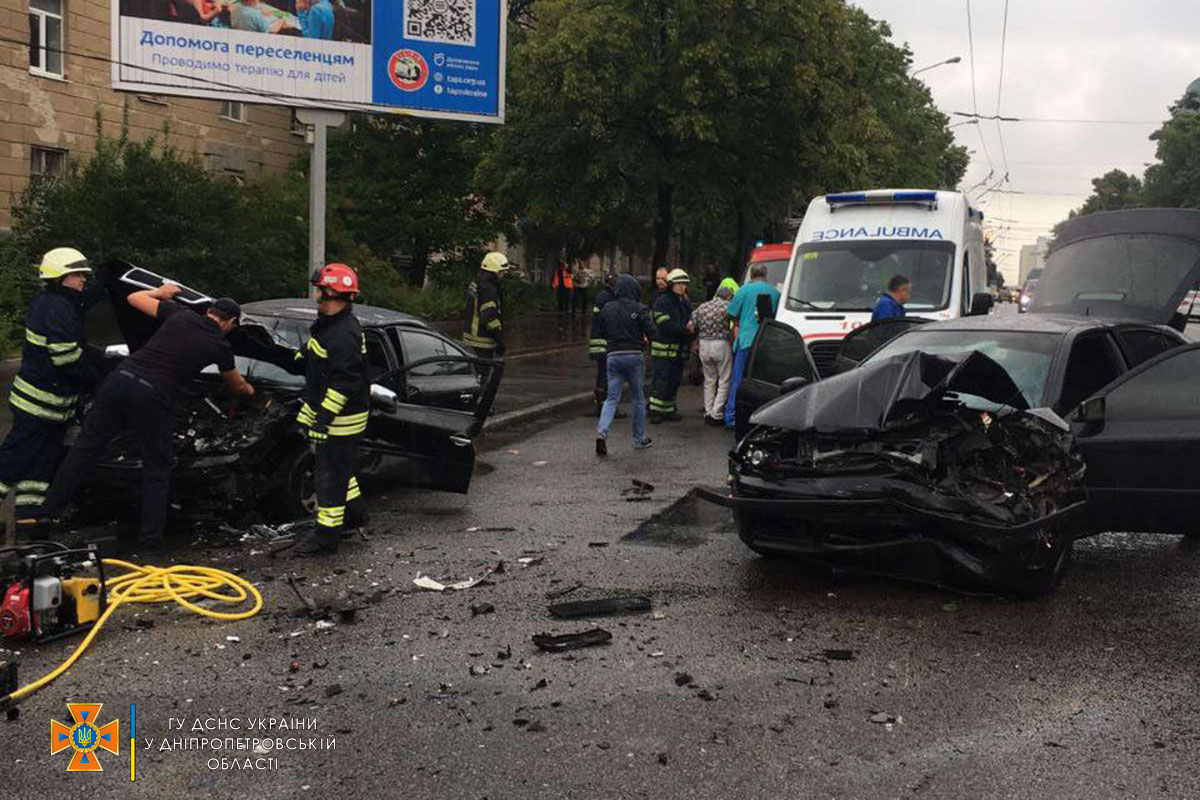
(443, 21)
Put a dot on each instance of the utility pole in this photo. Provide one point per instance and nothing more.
(320, 121)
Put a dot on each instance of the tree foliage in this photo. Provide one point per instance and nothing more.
(149, 204)
(403, 188)
(638, 120)
(1173, 181)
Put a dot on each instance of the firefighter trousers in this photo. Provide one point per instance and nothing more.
(28, 458)
(125, 403)
(665, 376)
(339, 500)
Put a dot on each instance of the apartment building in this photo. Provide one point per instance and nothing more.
(55, 76)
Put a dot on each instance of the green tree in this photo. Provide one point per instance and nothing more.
(1174, 181)
(403, 188)
(149, 204)
(1113, 190)
(706, 119)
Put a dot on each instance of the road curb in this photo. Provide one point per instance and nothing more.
(511, 418)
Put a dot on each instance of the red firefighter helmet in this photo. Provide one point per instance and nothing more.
(336, 279)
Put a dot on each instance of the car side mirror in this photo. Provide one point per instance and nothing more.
(383, 397)
(1090, 411)
(981, 303)
(792, 384)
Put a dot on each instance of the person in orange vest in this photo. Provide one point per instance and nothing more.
(562, 284)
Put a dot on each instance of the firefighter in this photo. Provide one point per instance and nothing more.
(54, 371)
(671, 348)
(598, 343)
(336, 406)
(483, 329)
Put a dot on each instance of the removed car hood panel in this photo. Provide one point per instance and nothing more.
(881, 395)
(1136, 264)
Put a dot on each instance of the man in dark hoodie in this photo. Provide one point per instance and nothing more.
(625, 325)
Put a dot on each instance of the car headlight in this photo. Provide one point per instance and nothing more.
(757, 456)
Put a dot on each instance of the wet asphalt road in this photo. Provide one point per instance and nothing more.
(1090, 693)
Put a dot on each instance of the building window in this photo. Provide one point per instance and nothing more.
(47, 161)
(46, 37)
(233, 110)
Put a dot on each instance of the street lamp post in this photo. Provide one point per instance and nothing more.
(952, 60)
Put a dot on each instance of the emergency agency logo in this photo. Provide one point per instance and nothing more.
(85, 737)
(408, 70)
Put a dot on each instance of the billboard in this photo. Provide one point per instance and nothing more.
(433, 58)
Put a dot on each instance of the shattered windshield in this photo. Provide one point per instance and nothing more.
(1025, 356)
(292, 331)
(850, 275)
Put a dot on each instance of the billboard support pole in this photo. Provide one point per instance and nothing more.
(320, 121)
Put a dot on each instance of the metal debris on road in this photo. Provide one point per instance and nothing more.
(637, 491)
(607, 605)
(572, 641)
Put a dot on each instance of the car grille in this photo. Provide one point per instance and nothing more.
(824, 352)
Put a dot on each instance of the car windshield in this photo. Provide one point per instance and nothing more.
(1025, 356)
(293, 332)
(849, 276)
(776, 272)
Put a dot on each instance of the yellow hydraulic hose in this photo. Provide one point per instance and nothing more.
(180, 584)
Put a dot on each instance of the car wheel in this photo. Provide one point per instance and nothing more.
(296, 495)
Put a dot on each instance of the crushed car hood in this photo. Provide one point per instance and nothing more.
(881, 395)
(1136, 264)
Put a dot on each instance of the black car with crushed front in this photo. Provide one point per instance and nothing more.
(429, 396)
(943, 451)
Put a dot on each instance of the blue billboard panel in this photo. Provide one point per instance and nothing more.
(436, 58)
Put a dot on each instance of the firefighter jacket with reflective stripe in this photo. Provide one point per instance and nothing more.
(54, 368)
(671, 316)
(337, 389)
(484, 326)
(597, 343)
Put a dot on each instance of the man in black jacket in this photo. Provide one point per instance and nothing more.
(336, 406)
(671, 348)
(483, 328)
(54, 372)
(624, 324)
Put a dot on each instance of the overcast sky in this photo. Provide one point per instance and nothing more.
(1073, 59)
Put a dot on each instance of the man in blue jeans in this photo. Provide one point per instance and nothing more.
(625, 324)
(744, 310)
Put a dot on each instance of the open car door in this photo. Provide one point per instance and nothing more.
(861, 342)
(418, 440)
(1140, 438)
(778, 354)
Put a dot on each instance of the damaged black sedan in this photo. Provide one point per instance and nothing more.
(430, 399)
(972, 454)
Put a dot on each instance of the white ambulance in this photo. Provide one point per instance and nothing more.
(851, 244)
